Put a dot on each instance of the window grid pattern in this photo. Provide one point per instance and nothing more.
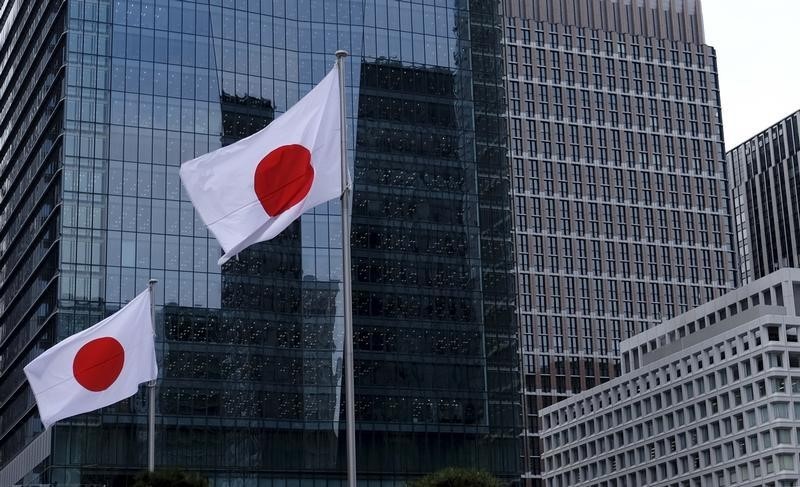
(619, 188)
(251, 352)
(33, 56)
(765, 188)
(717, 410)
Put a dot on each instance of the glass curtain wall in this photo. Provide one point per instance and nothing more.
(250, 353)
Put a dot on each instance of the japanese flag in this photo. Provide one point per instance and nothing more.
(251, 190)
(97, 367)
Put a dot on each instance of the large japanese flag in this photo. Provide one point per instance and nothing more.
(96, 367)
(251, 190)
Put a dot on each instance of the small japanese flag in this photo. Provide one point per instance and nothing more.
(97, 367)
(250, 191)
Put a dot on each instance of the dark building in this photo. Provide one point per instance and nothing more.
(33, 56)
(766, 183)
(620, 184)
(101, 102)
(422, 348)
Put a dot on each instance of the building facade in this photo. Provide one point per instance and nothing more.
(765, 185)
(102, 101)
(709, 398)
(619, 183)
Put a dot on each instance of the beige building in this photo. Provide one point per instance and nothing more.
(619, 185)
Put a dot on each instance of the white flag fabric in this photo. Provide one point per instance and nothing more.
(250, 191)
(97, 367)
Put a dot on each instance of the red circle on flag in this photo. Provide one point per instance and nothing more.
(98, 363)
(283, 178)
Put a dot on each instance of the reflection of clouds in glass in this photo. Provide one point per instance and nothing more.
(322, 271)
(337, 361)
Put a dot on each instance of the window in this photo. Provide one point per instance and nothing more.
(764, 414)
(785, 462)
(756, 468)
(751, 418)
(773, 333)
(781, 410)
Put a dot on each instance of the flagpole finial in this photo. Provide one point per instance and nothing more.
(341, 53)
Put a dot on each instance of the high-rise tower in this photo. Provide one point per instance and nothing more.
(101, 102)
(619, 184)
(766, 197)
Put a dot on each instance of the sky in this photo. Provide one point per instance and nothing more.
(758, 57)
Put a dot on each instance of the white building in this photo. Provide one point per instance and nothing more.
(709, 398)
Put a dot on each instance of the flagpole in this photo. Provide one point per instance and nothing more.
(151, 386)
(347, 287)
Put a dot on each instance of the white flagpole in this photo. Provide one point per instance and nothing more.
(347, 196)
(151, 416)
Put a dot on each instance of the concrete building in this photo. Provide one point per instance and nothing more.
(619, 183)
(709, 398)
(765, 178)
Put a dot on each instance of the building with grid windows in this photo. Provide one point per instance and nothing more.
(709, 398)
(619, 184)
(101, 100)
(765, 179)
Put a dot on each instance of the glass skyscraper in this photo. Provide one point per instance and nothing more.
(101, 102)
(765, 175)
(622, 216)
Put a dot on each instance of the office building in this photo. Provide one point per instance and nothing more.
(101, 102)
(709, 398)
(765, 187)
(619, 183)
